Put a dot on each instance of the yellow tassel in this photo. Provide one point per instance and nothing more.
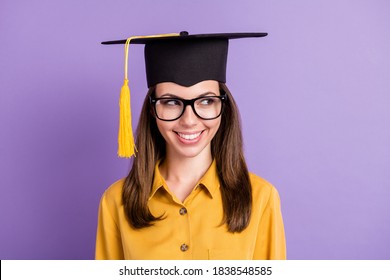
(126, 146)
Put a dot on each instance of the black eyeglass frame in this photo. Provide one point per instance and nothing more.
(187, 102)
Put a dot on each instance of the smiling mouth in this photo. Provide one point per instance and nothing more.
(188, 136)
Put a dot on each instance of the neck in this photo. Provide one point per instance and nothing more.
(185, 169)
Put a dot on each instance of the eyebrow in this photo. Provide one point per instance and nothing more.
(175, 96)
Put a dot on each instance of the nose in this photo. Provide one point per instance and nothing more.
(188, 118)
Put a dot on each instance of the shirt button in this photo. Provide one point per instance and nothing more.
(183, 211)
(184, 247)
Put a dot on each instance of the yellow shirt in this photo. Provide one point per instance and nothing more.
(191, 229)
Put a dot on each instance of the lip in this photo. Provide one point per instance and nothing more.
(192, 137)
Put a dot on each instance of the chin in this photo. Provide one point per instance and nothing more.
(190, 152)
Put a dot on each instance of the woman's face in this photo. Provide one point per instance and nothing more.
(188, 136)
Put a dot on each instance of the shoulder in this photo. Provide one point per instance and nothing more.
(113, 194)
(259, 184)
(263, 192)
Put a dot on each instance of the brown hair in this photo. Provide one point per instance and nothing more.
(226, 149)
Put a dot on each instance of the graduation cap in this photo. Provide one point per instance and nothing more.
(180, 58)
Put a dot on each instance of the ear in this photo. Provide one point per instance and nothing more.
(152, 112)
(151, 93)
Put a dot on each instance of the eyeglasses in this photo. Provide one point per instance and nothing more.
(204, 107)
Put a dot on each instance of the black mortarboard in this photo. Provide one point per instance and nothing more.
(180, 58)
(186, 59)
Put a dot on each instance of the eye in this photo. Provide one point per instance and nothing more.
(207, 101)
(169, 102)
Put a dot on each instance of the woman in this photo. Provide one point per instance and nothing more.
(189, 194)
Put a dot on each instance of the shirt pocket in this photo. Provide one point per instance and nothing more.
(229, 254)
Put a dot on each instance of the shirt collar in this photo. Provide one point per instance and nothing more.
(209, 181)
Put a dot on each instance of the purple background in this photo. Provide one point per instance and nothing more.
(314, 100)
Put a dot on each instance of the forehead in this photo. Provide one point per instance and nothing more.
(187, 92)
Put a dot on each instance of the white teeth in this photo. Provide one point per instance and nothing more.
(189, 136)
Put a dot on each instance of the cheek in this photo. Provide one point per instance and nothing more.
(163, 127)
(214, 125)
(160, 126)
